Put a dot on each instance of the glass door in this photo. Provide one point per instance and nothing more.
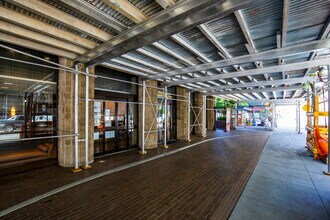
(98, 127)
(171, 125)
(122, 126)
(114, 129)
(110, 126)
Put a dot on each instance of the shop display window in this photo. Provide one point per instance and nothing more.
(28, 109)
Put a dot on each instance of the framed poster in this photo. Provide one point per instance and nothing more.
(107, 118)
(96, 135)
(109, 134)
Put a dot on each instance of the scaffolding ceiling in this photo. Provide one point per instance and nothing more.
(236, 49)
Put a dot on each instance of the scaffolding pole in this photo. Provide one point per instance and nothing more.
(76, 138)
(188, 131)
(327, 172)
(297, 117)
(143, 115)
(86, 166)
(204, 117)
(299, 132)
(165, 117)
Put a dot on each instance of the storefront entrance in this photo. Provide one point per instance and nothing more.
(115, 112)
(171, 117)
(114, 128)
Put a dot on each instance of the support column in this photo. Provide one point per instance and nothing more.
(182, 114)
(210, 113)
(66, 116)
(150, 120)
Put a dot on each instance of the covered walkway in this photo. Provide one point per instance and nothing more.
(200, 180)
(203, 179)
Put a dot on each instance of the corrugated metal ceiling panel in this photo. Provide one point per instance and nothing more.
(148, 7)
(108, 10)
(229, 34)
(199, 41)
(78, 15)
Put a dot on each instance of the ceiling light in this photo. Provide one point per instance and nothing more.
(8, 83)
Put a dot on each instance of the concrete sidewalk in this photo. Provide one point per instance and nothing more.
(286, 183)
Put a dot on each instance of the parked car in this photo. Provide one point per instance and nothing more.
(259, 122)
(12, 123)
(43, 118)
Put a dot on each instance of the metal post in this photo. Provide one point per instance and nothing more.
(87, 166)
(76, 157)
(328, 171)
(165, 117)
(204, 117)
(299, 117)
(143, 115)
(266, 118)
(236, 116)
(188, 131)
(273, 116)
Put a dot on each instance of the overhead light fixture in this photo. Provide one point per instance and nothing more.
(8, 83)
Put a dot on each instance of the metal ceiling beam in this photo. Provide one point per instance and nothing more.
(125, 63)
(134, 59)
(250, 46)
(189, 47)
(123, 69)
(214, 40)
(286, 88)
(271, 69)
(323, 35)
(223, 51)
(158, 58)
(172, 53)
(246, 32)
(35, 46)
(192, 49)
(177, 18)
(270, 54)
(44, 28)
(97, 14)
(37, 37)
(276, 100)
(285, 17)
(166, 3)
(55, 14)
(326, 30)
(127, 9)
(260, 83)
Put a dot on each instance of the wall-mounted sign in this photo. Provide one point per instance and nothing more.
(96, 135)
(107, 118)
(109, 134)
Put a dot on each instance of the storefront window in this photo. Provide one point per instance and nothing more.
(28, 109)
